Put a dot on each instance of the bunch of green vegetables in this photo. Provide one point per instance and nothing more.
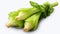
(29, 17)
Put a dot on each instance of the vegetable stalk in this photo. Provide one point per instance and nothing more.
(25, 13)
(32, 22)
(12, 22)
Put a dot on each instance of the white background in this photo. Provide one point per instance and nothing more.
(49, 25)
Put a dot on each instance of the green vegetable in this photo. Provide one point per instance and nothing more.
(25, 13)
(12, 22)
(32, 22)
(30, 16)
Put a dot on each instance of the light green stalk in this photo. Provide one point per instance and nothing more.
(26, 12)
(32, 22)
(12, 22)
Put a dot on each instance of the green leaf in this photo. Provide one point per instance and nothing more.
(34, 4)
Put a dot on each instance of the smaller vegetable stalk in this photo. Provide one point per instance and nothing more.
(12, 22)
(31, 22)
